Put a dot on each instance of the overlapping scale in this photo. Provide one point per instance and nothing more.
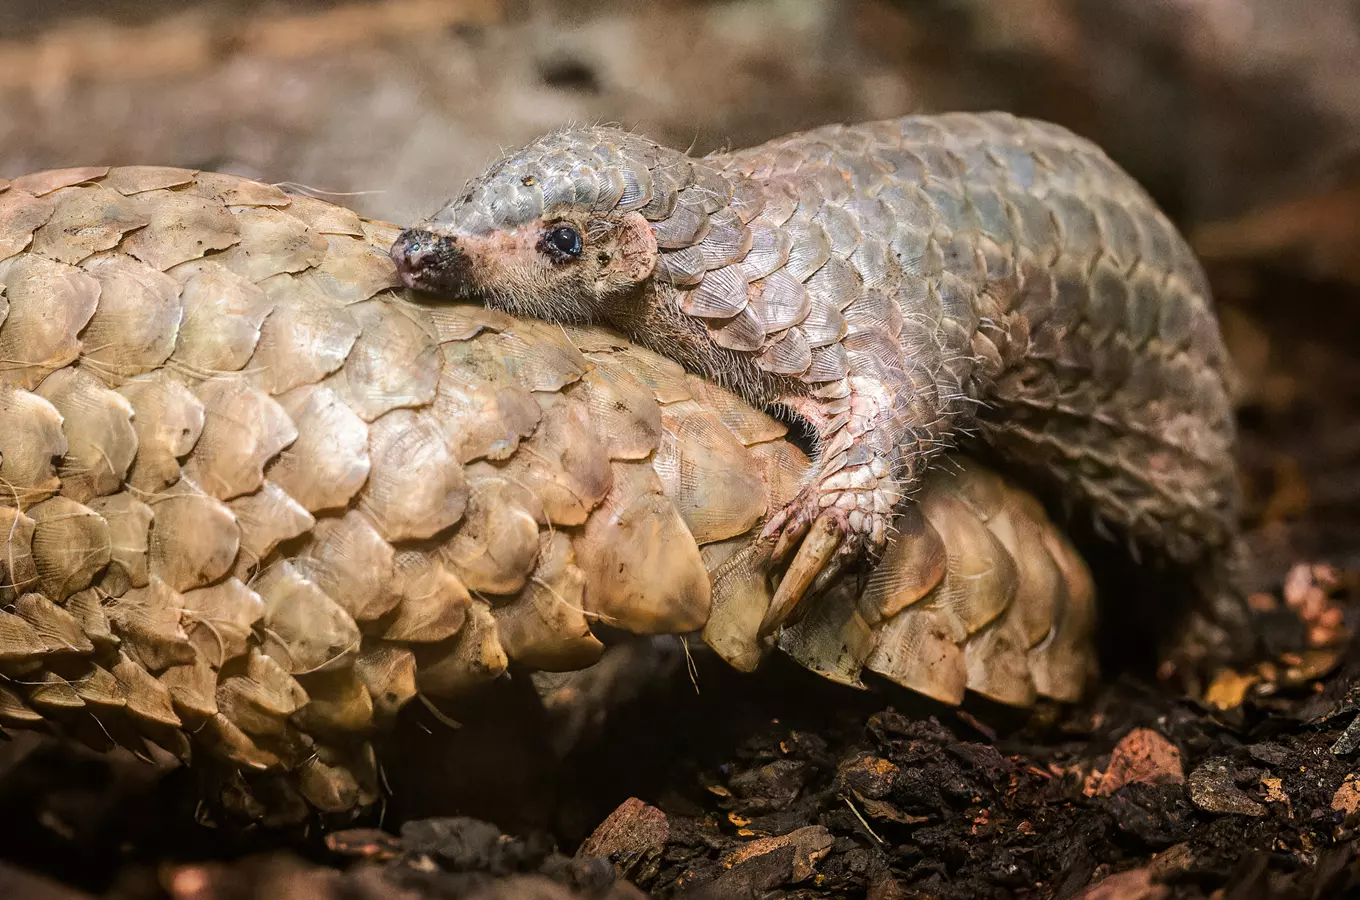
(293, 497)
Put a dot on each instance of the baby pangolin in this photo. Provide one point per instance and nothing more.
(904, 287)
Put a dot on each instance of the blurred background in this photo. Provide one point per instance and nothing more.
(1221, 106)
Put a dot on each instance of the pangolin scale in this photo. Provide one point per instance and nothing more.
(257, 496)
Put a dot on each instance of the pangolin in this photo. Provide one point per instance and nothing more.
(903, 287)
(257, 496)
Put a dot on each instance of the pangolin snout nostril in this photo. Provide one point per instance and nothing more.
(420, 255)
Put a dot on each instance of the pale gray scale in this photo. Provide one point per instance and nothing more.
(835, 284)
(473, 218)
(959, 255)
(1107, 306)
(769, 250)
(1176, 316)
(957, 299)
(940, 163)
(962, 127)
(789, 355)
(910, 207)
(713, 186)
(1018, 165)
(1080, 230)
(922, 130)
(977, 163)
(585, 182)
(876, 264)
(873, 214)
(810, 249)
(686, 225)
(998, 261)
(824, 325)
(809, 193)
(744, 332)
(874, 311)
(558, 192)
(919, 302)
(665, 194)
(515, 204)
(612, 186)
(789, 160)
(783, 301)
(753, 167)
(683, 267)
(637, 188)
(727, 241)
(828, 363)
(1035, 227)
(912, 247)
(993, 219)
(722, 293)
(872, 355)
(1204, 342)
(906, 167)
(748, 198)
(850, 140)
(780, 204)
(1068, 176)
(860, 170)
(842, 229)
(952, 206)
(1161, 241)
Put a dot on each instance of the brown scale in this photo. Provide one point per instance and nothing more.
(293, 497)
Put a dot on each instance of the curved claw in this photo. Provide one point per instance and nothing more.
(786, 528)
(813, 563)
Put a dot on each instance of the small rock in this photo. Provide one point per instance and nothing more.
(810, 846)
(632, 838)
(1136, 884)
(1347, 797)
(753, 875)
(1156, 814)
(1173, 862)
(867, 776)
(1213, 790)
(1145, 757)
(1270, 753)
(1275, 790)
(772, 786)
(884, 811)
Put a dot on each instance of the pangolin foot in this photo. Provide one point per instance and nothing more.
(832, 531)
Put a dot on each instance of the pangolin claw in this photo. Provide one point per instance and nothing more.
(815, 565)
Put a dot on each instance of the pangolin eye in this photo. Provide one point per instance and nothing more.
(562, 243)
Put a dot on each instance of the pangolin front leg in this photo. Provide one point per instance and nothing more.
(842, 515)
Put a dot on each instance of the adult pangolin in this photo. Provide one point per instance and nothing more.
(904, 286)
(254, 499)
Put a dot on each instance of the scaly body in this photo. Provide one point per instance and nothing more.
(904, 286)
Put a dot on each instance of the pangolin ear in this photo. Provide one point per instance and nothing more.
(636, 254)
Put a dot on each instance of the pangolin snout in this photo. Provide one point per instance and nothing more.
(427, 260)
